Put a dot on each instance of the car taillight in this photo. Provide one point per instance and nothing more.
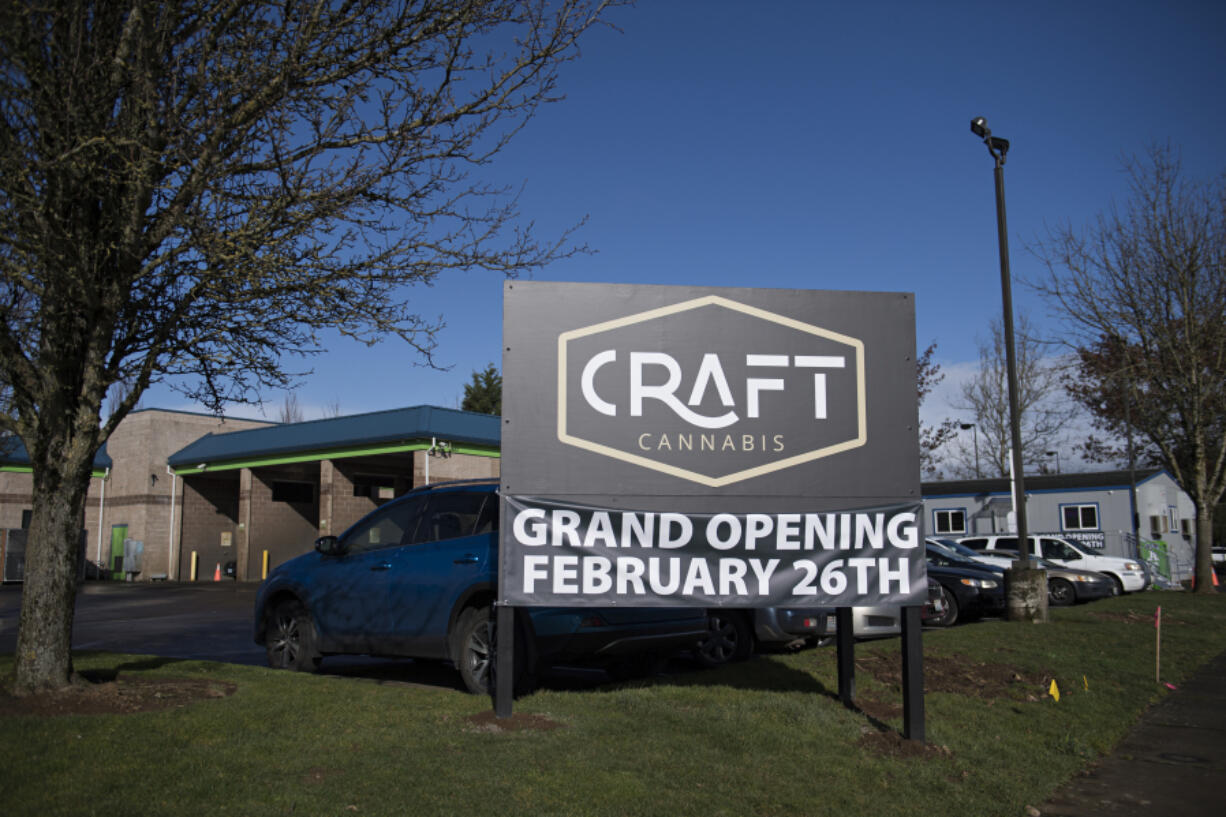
(593, 621)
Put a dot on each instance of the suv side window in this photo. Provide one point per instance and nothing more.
(1055, 549)
(450, 515)
(488, 521)
(393, 524)
(1006, 543)
(975, 544)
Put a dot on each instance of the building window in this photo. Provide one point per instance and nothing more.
(299, 493)
(1185, 527)
(949, 521)
(1079, 517)
(1155, 526)
(26, 516)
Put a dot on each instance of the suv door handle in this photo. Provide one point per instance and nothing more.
(467, 559)
(381, 566)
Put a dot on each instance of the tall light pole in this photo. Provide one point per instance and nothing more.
(975, 426)
(1027, 594)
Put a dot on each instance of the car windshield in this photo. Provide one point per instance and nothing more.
(963, 551)
(940, 556)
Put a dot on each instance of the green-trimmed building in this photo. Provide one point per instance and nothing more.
(16, 504)
(261, 496)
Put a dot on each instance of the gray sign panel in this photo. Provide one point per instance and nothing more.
(573, 555)
(696, 400)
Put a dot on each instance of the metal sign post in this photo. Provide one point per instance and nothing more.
(846, 640)
(912, 674)
(502, 674)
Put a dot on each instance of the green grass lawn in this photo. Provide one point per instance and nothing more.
(765, 737)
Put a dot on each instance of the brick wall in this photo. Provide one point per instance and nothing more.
(210, 509)
(138, 490)
(284, 529)
(15, 496)
(455, 466)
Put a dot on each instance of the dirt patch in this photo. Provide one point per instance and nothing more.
(119, 696)
(1131, 618)
(892, 744)
(518, 722)
(877, 709)
(960, 675)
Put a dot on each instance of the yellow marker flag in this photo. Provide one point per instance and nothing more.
(1055, 690)
(1086, 681)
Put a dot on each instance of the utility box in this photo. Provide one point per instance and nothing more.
(133, 553)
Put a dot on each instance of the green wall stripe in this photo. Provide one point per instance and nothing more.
(337, 454)
(27, 469)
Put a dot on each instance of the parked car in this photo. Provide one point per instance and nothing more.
(1067, 585)
(1128, 575)
(997, 563)
(735, 634)
(970, 591)
(883, 620)
(935, 607)
(417, 577)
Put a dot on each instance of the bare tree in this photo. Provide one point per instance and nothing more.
(1100, 382)
(291, 409)
(931, 438)
(191, 191)
(986, 396)
(332, 409)
(117, 395)
(1144, 293)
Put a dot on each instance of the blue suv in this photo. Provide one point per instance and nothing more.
(417, 578)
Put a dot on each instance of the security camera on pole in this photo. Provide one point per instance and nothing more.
(1025, 585)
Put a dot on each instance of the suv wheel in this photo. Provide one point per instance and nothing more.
(290, 638)
(728, 639)
(476, 643)
(476, 649)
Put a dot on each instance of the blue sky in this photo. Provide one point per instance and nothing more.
(823, 145)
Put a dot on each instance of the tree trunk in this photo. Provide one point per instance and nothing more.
(1204, 548)
(48, 598)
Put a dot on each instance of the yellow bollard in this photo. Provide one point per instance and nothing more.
(264, 570)
(193, 573)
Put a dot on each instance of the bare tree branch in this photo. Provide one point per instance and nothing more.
(190, 192)
(1144, 290)
(986, 396)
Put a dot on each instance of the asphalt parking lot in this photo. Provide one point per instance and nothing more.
(212, 621)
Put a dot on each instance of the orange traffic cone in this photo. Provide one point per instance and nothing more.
(217, 573)
(1212, 573)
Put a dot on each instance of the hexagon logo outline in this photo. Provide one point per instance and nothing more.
(683, 473)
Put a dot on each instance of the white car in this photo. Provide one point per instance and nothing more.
(986, 558)
(1128, 574)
